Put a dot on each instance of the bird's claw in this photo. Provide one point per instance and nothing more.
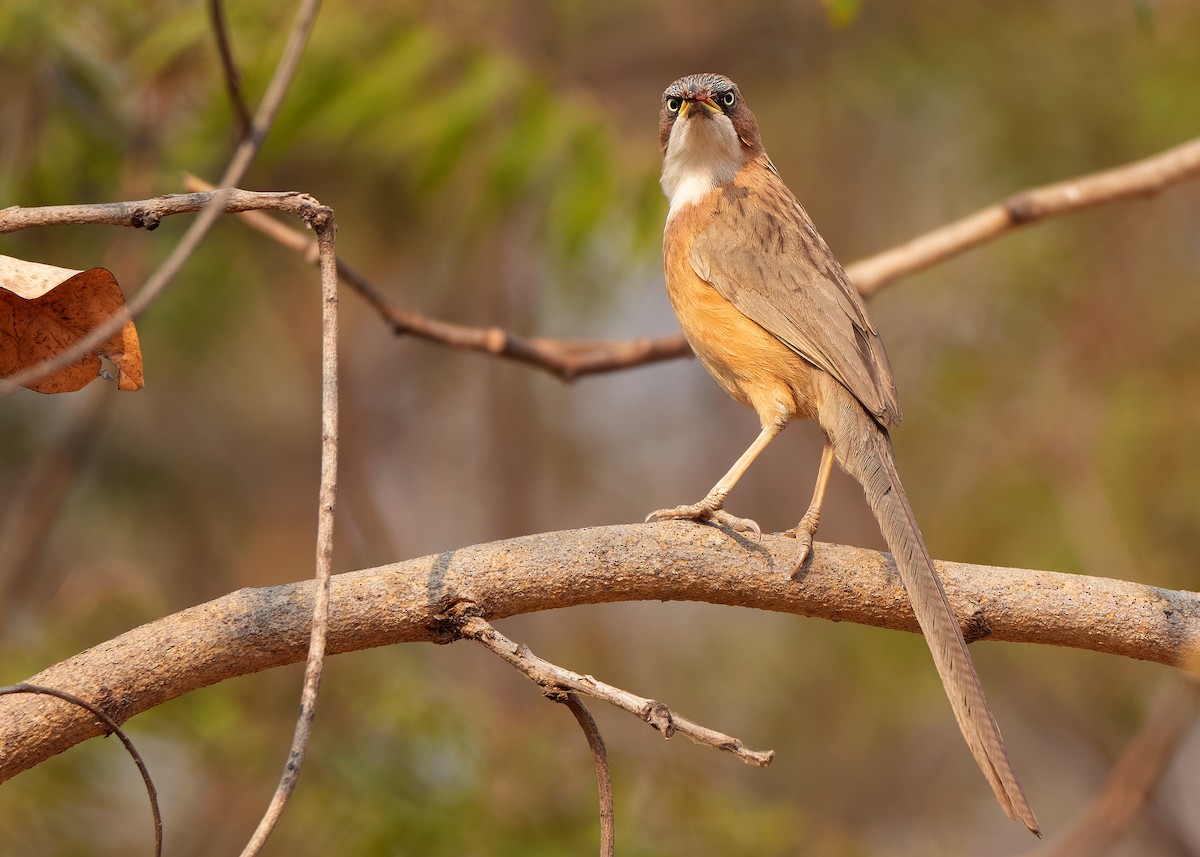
(740, 525)
(804, 536)
(705, 512)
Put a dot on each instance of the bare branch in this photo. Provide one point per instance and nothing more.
(1135, 775)
(112, 726)
(256, 629)
(1140, 178)
(551, 677)
(233, 83)
(608, 829)
(148, 213)
(327, 499)
(566, 359)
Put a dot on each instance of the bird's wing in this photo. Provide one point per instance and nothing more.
(770, 263)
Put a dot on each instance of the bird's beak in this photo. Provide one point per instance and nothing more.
(706, 103)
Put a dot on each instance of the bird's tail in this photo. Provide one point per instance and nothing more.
(864, 449)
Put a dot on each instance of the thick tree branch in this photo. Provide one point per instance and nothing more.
(256, 629)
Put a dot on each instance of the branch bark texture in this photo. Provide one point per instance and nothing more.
(148, 213)
(256, 629)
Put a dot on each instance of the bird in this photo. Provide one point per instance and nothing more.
(773, 317)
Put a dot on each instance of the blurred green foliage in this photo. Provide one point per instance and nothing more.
(496, 163)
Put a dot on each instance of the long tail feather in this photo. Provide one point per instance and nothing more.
(864, 449)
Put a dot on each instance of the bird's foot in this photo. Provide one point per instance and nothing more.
(803, 533)
(707, 509)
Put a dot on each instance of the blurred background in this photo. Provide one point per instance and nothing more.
(495, 162)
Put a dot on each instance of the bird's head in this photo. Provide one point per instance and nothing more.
(707, 133)
(714, 100)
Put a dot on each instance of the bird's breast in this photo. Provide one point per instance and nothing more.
(750, 364)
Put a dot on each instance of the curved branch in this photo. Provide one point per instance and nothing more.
(256, 629)
(114, 727)
(608, 832)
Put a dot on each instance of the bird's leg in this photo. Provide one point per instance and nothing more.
(709, 509)
(807, 528)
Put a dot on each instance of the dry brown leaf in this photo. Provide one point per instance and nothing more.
(45, 310)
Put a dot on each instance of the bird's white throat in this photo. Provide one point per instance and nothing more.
(702, 153)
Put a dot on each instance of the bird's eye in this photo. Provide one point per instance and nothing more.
(728, 98)
(673, 104)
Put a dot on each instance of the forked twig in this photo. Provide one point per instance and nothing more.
(116, 729)
(553, 678)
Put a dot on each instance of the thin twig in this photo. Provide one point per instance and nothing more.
(608, 838)
(1135, 775)
(566, 359)
(551, 677)
(233, 81)
(285, 70)
(116, 729)
(1139, 178)
(325, 230)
